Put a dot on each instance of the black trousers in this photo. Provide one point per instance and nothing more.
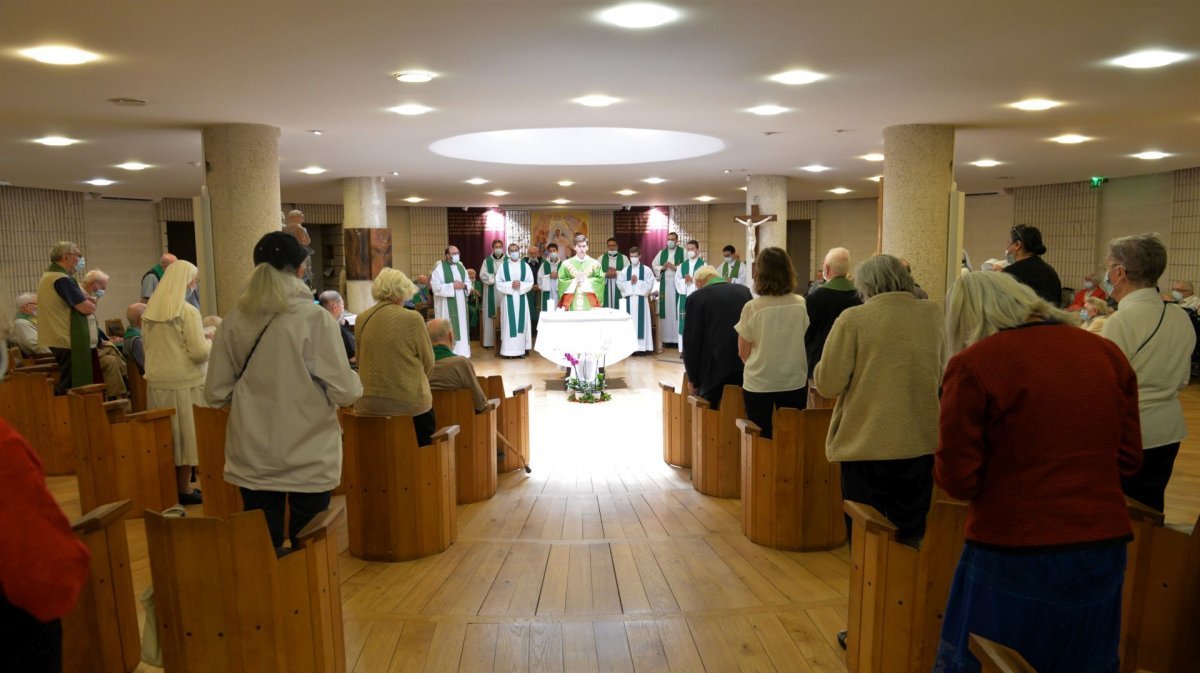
(425, 425)
(62, 356)
(1149, 485)
(713, 396)
(26, 644)
(900, 489)
(760, 406)
(303, 506)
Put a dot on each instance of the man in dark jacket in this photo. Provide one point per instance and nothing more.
(827, 302)
(710, 344)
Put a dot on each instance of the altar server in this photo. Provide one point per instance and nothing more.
(666, 264)
(613, 263)
(487, 275)
(547, 279)
(451, 286)
(685, 284)
(514, 280)
(636, 283)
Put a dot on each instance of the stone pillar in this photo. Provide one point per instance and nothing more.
(367, 251)
(918, 175)
(769, 193)
(242, 177)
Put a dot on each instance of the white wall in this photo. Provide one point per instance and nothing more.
(1138, 205)
(123, 240)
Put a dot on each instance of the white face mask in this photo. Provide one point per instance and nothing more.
(514, 255)
(634, 260)
(671, 245)
(729, 259)
(454, 258)
(612, 253)
(1087, 285)
(497, 252)
(691, 254)
(553, 257)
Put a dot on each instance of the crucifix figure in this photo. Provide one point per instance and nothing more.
(751, 223)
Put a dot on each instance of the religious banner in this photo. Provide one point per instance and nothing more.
(644, 227)
(560, 227)
(468, 231)
(367, 252)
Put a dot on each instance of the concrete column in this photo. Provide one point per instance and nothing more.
(242, 176)
(365, 207)
(769, 193)
(918, 174)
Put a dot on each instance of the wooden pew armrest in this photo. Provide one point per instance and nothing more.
(321, 524)
(102, 516)
(666, 386)
(492, 405)
(38, 369)
(522, 390)
(1000, 657)
(748, 427)
(698, 402)
(1140, 512)
(870, 518)
(91, 389)
(445, 432)
(150, 415)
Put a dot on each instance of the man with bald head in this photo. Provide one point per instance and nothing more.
(827, 302)
(450, 371)
(155, 274)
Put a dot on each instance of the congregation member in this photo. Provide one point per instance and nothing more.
(547, 280)
(666, 267)
(1158, 339)
(63, 317)
(332, 301)
(685, 281)
(636, 283)
(151, 278)
(491, 309)
(279, 364)
(133, 345)
(612, 263)
(776, 372)
(826, 303)
(883, 363)
(732, 268)
(1182, 294)
(450, 371)
(514, 280)
(1094, 314)
(1091, 288)
(423, 299)
(395, 356)
(710, 340)
(1040, 466)
(452, 285)
(176, 359)
(106, 355)
(1023, 258)
(24, 326)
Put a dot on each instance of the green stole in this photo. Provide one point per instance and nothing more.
(513, 328)
(612, 302)
(448, 277)
(731, 274)
(158, 271)
(490, 263)
(687, 269)
(132, 332)
(25, 316)
(641, 299)
(81, 348)
(441, 352)
(546, 296)
(662, 278)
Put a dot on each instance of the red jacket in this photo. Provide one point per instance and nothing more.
(1038, 424)
(1082, 296)
(43, 566)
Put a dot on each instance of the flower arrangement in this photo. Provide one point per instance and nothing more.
(585, 392)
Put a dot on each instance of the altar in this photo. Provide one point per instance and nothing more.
(605, 335)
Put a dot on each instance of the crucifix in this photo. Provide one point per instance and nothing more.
(751, 223)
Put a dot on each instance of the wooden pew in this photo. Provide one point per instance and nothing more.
(677, 424)
(224, 602)
(512, 422)
(475, 446)
(816, 401)
(717, 444)
(400, 498)
(101, 633)
(27, 401)
(898, 594)
(137, 387)
(220, 497)
(997, 658)
(121, 457)
(791, 495)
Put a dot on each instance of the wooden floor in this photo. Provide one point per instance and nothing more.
(604, 559)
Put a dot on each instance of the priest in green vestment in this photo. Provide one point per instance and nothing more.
(613, 263)
(581, 280)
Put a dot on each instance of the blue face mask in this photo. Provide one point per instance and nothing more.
(80, 265)
(1108, 286)
(99, 294)
(1083, 315)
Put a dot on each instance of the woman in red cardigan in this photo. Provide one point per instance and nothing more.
(1039, 421)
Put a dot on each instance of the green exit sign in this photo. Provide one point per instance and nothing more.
(1098, 181)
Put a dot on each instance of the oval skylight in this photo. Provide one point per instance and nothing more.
(577, 146)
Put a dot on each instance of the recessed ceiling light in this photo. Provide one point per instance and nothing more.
(312, 170)
(414, 76)
(59, 55)
(56, 141)
(133, 166)
(477, 181)
(1151, 155)
(841, 190)
(565, 183)
(1071, 139)
(874, 156)
(395, 172)
(639, 15)
(596, 100)
(706, 198)
(798, 77)
(875, 178)
(414, 199)
(410, 109)
(1151, 58)
(743, 189)
(985, 163)
(654, 181)
(100, 182)
(316, 132)
(560, 202)
(815, 168)
(498, 192)
(626, 192)
(1034, 104)
(767, 110)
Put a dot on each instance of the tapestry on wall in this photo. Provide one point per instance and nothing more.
(560, 227)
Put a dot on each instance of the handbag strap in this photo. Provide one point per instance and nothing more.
(255, 347)
(1160, 322)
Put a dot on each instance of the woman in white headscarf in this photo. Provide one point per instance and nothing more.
(176, 363)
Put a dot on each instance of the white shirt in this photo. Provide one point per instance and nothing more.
(776, 326)
(1163, 365)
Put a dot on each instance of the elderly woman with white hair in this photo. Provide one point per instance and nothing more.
(1040, 466)
(395, 356)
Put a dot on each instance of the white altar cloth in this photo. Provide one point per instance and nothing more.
(606, 334)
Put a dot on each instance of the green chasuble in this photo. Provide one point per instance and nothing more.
(688, 268)
(587, 268)
(676, 259)
(637, 306)
(490, 293)
(515, 327)
(607, 262)
(452, 302)
(441, 352)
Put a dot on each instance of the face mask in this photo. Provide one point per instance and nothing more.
(1087, 285)
(80, 265)
(514, 256)
(1108, 286)
(691, 254)
(1083, 316)
(634, 260)
(454, 258)
(553, 257)
(1009, 257)
(1177, 295)
(671, 245)
(497, 252)
(612, 253)
(728, 259)
(99, 294)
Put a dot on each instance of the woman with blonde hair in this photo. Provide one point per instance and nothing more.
(176, 352)
(1094, 313)
(1040, 466)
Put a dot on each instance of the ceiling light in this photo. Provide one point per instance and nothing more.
(316, 132)
(414, 199)
(654, 181)
(743, 189)
(133, 166)
(815, 168)
(577, 146)
(1071, 139)
(565, 183)
(59, 55)
(477, 181)
(414, 76)
(797, 77)
(56, 141)
(597, 100)
(639, 15)
(1151, 58)
(1151, 155)
(874, 156)
(410, 109)
(985, 163)
(395, 172)
(875, 178)
(498, 192)
(706, 198)
(312, 170)
(561, 202)
(767, 110)
(1034, 104)
(626, 192)
(100, 182)
(841, 190)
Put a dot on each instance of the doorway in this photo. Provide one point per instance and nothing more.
(799, 249)
(181, 240)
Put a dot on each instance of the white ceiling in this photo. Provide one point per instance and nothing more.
(506, 64)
